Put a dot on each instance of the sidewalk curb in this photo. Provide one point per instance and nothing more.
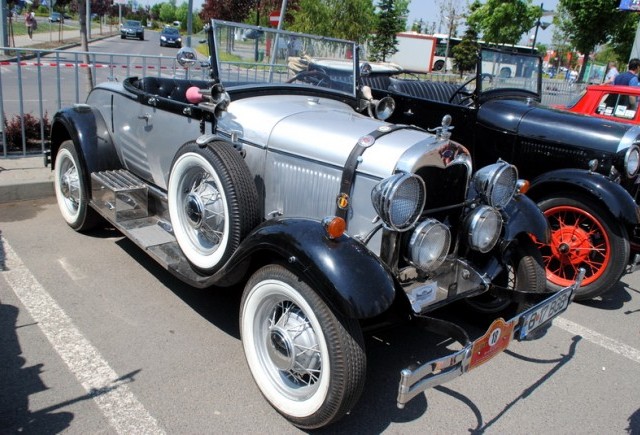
(25, 178)
(26, 191)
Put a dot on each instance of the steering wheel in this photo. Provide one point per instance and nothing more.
(462, 90)
(316, 77)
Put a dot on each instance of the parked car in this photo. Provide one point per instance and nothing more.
(170, 36)
(132, 29)
(273, 179)
(614, 103)
(583, 170)
(55, 17)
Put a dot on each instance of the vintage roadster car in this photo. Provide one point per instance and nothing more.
(268, 176)
(583, 170)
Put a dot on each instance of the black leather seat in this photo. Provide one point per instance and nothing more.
(435, 91)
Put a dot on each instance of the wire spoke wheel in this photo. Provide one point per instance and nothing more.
(72, 189)
(583, 236)
(307, 359)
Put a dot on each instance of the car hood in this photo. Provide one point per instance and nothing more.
(542, 123)
(326, 130)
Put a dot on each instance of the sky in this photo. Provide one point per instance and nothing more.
(429, 11)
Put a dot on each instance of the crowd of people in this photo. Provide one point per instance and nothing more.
(627, 78)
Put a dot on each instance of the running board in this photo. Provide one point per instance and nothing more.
(123, 199)
(119, 195)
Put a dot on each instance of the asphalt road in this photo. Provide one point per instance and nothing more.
(96, 338)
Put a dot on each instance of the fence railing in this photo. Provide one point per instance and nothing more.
(37, 83)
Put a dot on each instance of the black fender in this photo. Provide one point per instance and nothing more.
(612, 195)
(89, 132)
(350, 278)
(524, 216)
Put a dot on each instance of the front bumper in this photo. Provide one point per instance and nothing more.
(523, 326)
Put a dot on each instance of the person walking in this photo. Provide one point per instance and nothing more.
(629, 77)
(29, 21)
(612, 73)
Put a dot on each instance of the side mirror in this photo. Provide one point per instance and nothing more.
(187, 57)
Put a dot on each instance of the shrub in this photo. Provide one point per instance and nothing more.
(13, 130)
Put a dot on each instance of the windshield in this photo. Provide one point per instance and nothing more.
(254, 55)
(505, 69)
(133, 23)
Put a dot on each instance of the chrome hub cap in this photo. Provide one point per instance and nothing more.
(204, 212)
(70, 186)
(292, 345)
(194, 209)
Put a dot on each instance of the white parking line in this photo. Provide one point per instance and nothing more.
(601, 340)
(114, 398)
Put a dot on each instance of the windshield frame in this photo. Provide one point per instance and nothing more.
(275, 69)
(525, 72)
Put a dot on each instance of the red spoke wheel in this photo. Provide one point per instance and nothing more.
(583, 235)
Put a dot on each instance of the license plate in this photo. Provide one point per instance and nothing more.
(493, 342)
(548, 310)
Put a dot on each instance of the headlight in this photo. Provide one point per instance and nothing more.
(163, 38)
(632, 161)
(399, 200)
(429, 245)
(483, 227)
(179, 39)
(496, 183)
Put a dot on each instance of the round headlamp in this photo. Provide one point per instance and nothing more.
(399, 200)
(483, 226)
(429, 245)
(632, 161)
(496, 183)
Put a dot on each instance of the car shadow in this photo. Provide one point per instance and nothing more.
(388, 350)
(614, 299)
(220, 306)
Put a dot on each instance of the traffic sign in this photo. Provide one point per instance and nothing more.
(274, 18)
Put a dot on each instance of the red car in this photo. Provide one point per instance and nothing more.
(617, 103)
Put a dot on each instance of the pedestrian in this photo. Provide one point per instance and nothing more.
(629, 77)
(29, 21)
(612, 73)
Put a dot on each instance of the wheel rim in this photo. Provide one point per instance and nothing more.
(68, 180)
(201, 210)
(578, 240)
(288, 347)
(285, 348)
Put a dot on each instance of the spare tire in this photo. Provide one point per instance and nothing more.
(212, 203)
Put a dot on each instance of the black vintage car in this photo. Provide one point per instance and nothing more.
(583, 170)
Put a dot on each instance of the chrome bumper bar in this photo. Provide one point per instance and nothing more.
(414, 381)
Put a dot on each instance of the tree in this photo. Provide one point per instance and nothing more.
(623, 35)
(465, 54)
(346, 19)
(504, 21)
(390, 20)
(230, 10)
(167, 12)
(587, 23)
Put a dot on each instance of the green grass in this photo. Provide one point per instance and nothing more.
(44, 26)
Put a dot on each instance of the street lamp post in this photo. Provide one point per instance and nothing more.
(538, 25)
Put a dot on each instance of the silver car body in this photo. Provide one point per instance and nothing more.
(312, 154)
